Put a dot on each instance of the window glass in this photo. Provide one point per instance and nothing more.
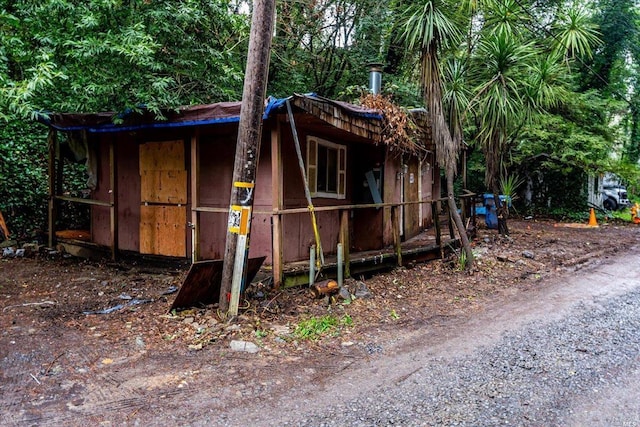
(326, 168)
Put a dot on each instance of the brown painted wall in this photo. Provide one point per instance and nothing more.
(216, 170)
(365, 224)
(217, 152)
(391, 193)
(128, 182)
(297, 229)
(128, 179)
(369, 228)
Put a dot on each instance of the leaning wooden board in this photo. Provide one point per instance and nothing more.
(202, 284)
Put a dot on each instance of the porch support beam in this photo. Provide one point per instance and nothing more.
(113, 198)
(195, 197)
(436, 222)
(51, 143)
(395, 224)
(277, 204)
(344, 239)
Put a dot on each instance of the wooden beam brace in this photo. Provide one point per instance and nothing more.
(436, 222)
(51, 143)
(344, 239)
(277, 204)
(395, 222)
(195, 198)
(113, 199)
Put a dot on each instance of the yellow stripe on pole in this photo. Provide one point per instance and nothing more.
(244, 184)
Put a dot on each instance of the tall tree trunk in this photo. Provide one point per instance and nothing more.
(493, 162)
(447, 148)
(502, 212)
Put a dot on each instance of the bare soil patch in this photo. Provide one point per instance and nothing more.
(94, 341)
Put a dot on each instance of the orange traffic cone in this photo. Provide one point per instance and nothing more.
(592, 218)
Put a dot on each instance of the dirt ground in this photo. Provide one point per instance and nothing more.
(94, 342)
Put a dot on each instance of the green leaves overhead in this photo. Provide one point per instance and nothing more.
(576, 34)
(106, 55)
(324, 46)
(430, 23)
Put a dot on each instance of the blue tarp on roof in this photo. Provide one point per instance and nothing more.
(197, 115)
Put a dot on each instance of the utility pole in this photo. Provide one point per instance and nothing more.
(247, 153)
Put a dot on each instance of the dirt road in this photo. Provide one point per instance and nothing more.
(553, 346)
(568, 354)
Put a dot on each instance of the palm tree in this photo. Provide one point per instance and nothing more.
(515, 76)
(430, 29)
(500, 104)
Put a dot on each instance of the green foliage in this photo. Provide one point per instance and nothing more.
(324, 46)
(24, 188)
(568, 214)
(509, 186)
(23, 183)
(576, 33)
(511, 73)
(112, 55)
(578, 134)
(462, 261)
(613, 70)
(316, 327)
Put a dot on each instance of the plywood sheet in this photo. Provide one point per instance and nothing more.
(165, 155)
(202, 284)
(163, 230)
(163, 186)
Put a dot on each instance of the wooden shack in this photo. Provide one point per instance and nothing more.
(162, 187)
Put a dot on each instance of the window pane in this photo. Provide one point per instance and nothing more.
(332, 170)
(322, 168)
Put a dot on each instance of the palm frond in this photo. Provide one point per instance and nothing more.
(576, 34)
(430, 26)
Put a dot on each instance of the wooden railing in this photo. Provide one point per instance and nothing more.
(467, 211)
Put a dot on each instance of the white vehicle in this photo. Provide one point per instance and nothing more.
(614, 197)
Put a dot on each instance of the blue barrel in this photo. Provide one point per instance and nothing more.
(491, 216)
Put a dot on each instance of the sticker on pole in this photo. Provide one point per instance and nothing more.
(239, 219)
(245, 192)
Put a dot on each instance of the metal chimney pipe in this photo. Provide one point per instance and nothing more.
(375, 78)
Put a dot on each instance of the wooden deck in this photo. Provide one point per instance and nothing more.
(421, 248)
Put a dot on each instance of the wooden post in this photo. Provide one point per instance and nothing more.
(59, 185)
(247, 155)
(464, 168)
(277, 204)
(113, 199)
(195, 198)
(436, 222)
(473, 213)
(463, 209)
(344, 239)
(52, 143)
(395, 223)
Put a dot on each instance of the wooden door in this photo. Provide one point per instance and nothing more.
(411, 212)
(163, 198)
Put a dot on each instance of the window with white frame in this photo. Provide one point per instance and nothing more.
(326, 168)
